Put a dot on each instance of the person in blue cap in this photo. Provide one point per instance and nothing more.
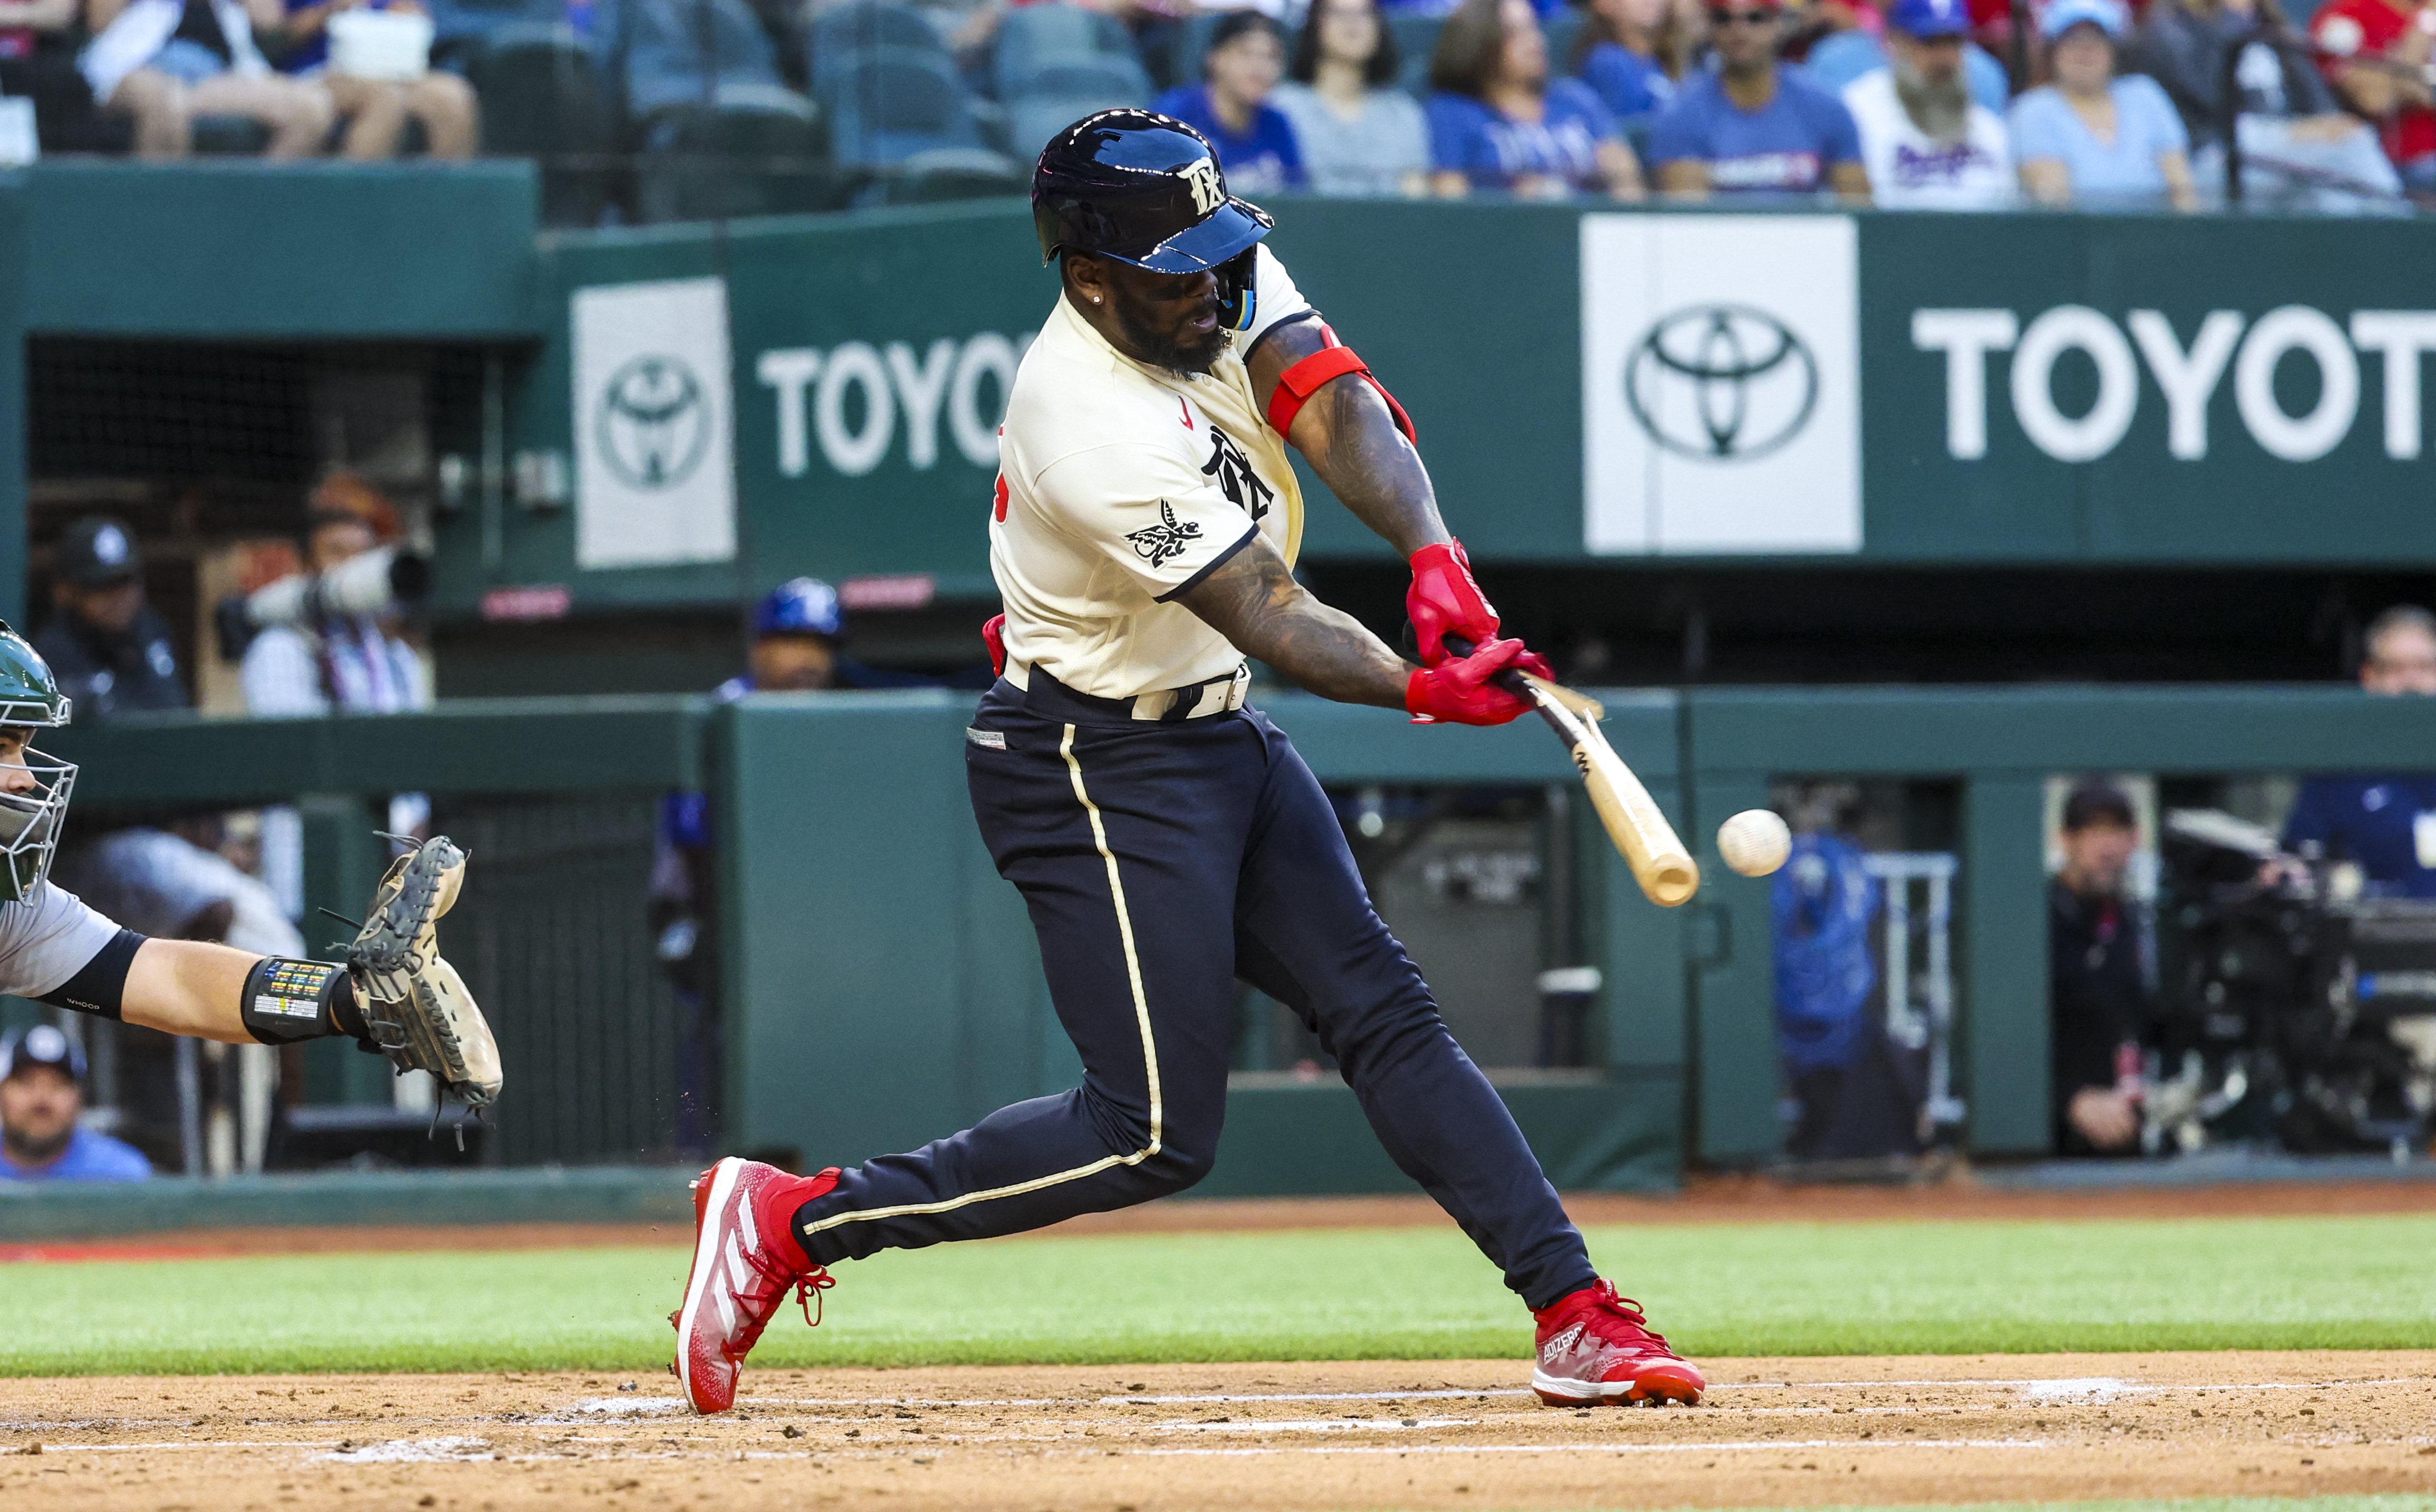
(42, 1101)
(1926, 143)
(2092, 137)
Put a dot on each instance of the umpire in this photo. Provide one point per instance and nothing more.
(1166, 837)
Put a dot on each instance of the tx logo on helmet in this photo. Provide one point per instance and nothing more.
(1202, 178)
(1233, 472)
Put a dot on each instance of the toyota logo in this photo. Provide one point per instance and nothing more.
(654, 424)
(1722, 382)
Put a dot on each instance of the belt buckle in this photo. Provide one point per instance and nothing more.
(1238, 686)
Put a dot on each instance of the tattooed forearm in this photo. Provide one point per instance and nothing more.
(1351, 442)
(1253, 600)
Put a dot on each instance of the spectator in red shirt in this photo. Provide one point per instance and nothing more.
(2396, 98)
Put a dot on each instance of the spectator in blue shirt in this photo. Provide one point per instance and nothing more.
(1755, 126)
(2090, 135)
(1630, 53)
(42, 1096)
(1255, 141)
(1498, 121)
(2384, 822)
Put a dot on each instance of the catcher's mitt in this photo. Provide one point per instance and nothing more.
(421, 1015)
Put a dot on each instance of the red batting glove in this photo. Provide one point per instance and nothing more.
(1444, 598)
(994, 637)
(1458, 689)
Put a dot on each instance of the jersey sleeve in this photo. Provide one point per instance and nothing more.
(1148, 511)
(1275, 300)
(48, 938)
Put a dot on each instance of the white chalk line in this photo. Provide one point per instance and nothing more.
(1770, 1446)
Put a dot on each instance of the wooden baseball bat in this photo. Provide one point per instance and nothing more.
(1667, 872)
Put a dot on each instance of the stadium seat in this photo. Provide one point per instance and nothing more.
(752, 150)
(950, 173)
(1061, 94)
(667, 47)
(460, 28)
(1033, 38)
(837, 37)
(542, 97)
(890, 103)
(1185, 46)
(1416, 36)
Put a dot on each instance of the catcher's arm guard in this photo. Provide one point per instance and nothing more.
(416, 1005)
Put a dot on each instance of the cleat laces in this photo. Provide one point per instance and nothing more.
(1605, 1301)
(808, 1288)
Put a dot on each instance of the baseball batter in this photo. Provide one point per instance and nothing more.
(1166, 837)
(393, 992)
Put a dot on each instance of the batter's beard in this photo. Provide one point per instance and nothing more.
(1941, 109)
(1185, 361)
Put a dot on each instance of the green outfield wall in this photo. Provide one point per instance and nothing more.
(2031, 390)
(883, 987)
(1590, 385)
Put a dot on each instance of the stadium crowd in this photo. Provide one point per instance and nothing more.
(1900, 103)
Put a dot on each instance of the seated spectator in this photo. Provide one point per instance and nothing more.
(2383, 822)
(166, 62)
(2098, 976)
(1498, 121)
(2091, 137)
(1927, 143)
(1630, 53)
(42, 1097)
(375, 111)
(1756, 126)
(109, 649)
(2365, 33)
(2288, 112)
(1256, 144)
(1359, 133)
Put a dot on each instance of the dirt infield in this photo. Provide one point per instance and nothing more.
(1709, 1200)
(1137, 1439)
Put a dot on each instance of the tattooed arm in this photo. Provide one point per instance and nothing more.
(1352, 444)
(1253, 600)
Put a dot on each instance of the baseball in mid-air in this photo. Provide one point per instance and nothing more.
(1754, 842)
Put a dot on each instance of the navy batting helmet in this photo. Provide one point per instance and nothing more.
(800, 606)
(1146, 189)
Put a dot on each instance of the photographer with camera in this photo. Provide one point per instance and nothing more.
(2098, 976)
(2383, 822)
(334, 659)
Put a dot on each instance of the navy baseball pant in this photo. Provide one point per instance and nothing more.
(1162, 861)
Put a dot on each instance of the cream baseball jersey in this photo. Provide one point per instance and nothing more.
(1119, 486)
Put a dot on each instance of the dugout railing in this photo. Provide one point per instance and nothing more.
(882, 986)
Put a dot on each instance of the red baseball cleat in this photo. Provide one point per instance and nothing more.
(1595, 1346)
(745, 1260)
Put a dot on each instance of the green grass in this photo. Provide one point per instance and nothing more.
(1939, 1288)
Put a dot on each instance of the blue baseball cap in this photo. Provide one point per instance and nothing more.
(801, 606)
(1929, 18)
(43, 1045)
(2106, 15)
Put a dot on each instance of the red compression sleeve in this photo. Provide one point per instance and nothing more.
(1299, 382)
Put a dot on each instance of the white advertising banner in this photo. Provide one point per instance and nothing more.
(1721, 407)
(655, 484)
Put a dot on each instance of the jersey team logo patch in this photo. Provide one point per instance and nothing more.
(1233, 472)
(1165, 540)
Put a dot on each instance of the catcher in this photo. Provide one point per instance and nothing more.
(393, 995)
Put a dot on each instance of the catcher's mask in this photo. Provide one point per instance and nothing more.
(1146, 189)
(30, 821)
